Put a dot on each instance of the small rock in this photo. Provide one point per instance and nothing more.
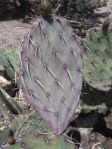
(4, 82)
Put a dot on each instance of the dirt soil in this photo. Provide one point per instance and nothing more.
(12, 32)
(106, 9)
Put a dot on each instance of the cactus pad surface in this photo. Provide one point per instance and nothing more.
(11, 53)
(51, 71)
(98, 59)
(28, 123)
(36, 140)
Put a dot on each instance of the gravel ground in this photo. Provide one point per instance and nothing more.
(12, 32)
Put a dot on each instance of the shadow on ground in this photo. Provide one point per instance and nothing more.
(92, 97)
(93, 121)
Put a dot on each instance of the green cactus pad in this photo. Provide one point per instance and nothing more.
(98, 59)
(8, 103)
(4, 135)
(34, 123)
(51, 71)
(28, 123)
(41, 141)
(11, 53)
(93, 1)
(18, 121)
(3, 59)
(24, 124)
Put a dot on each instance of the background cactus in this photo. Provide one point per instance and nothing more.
(24, 124)
(32, 132)
(51, 71)
(41, 141)
(98, 59)
(9, 103)
(4, 135)
(11, 53)
(8, 108)
(9, 61)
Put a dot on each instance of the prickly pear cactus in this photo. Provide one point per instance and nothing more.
(18, 122)
(30, 131)
(8, 107)
(11, 53)
(98, 59)
(51, 71)
(41, 141)
(8, 103)
(3, 59)
(4, 135)
(28, 123)
(22, 124)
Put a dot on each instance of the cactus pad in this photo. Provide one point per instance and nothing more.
(40, 141)
(51, 71)
(4, 135)
(11, 53)
(98, 59)
(28, 123)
